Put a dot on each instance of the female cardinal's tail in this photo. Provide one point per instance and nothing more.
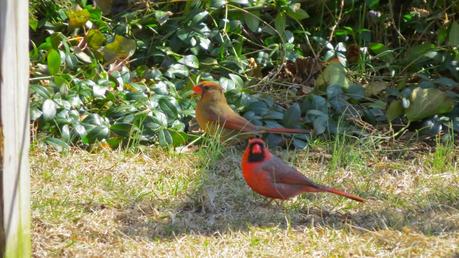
(283, 130)
(342, 193)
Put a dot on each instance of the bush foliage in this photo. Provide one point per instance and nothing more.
(122, 73)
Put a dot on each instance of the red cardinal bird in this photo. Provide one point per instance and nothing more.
(213, 113)
(268, 175)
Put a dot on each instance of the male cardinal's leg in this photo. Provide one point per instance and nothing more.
(266, 204)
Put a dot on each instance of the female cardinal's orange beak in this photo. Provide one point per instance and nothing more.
(197, 89)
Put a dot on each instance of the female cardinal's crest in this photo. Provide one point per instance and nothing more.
(205, 86)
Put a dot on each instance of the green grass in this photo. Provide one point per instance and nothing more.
(156, 202)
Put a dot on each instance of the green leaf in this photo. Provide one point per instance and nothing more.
(374, 88)
(161, 118)
(57, 144)
(98, 133)
(334, 73)
(77, 18)
(356, 92)
(428, 102)
(199, 17)
(165, 138)
(49, 109)
(92, 119)
(394, 110)
(120, 48)
(80, 130)
(243, 2)
(292, 116)
(279, 23)
(178, 138)
(190, 61)
(83, 56)
(65, 133)
(295, 11)
(217, 3)
(320, 124)
(238, 82)
(54, 61)
(444, 81)
(177, 69)
(40, 90)
(299, 144)
(168, 108)
(227, 84)
(252, 21)
(121, 129)
(319, 120)
(162, 17)
(417, 51)
(95, 38)
(453, 38)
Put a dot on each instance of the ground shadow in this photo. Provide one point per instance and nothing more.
(223, 203)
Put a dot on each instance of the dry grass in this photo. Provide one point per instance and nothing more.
(158, 203)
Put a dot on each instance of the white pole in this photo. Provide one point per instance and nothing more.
(14, 75)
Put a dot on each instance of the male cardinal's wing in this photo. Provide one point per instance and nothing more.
(282, 173)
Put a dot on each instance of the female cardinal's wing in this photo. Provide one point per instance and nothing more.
(226, 117)
(282, 173)
(236, 122)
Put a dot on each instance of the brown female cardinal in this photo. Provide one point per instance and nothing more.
(213, 113)
(268, 175)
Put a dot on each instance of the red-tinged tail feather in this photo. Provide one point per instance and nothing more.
(342, 193)
(283, 130)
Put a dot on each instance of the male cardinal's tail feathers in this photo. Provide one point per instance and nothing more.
(342, 193)
(283, 130)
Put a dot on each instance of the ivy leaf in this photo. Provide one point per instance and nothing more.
(319, 120)
(394, 110)
(49, 109)
(428, 102)
(453, 38)
(227, 84)
(98, 133)
(177, 69)
(168, 108)
(238, 82)
(279, 23)
(252, 21)
(54, 61)
(334, 73)
(57, 144)
(121, 129)
(77, 18)
(242, 2)
(190, 61)
(165, 138)
(162, 17)
(299, 144)
(199, 17)
(292, 116)
(295, 11)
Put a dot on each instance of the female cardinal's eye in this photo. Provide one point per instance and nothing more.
(205, 87)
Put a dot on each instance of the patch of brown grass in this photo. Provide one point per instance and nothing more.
(157, 203)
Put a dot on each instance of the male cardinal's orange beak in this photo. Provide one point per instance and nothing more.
(197, 89)
(256, 149)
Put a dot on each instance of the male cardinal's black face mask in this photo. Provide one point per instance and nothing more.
(257, 152)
